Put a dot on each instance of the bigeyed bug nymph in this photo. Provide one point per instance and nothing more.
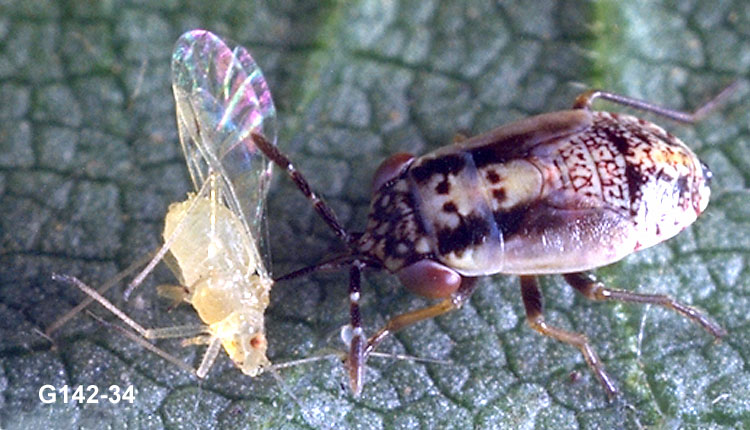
(558, 193)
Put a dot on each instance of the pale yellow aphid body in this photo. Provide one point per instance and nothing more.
(216, 261)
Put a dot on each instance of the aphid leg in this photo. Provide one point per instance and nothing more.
(162, 251)
(176, 294)
(592, 289)
(209, 357)
(584, 101)
(103, 289)
(145, 344)
(533, 302)
(150, 261)
(320, 206)
(152, 333)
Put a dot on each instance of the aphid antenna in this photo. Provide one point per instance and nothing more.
(162, 251)
(39, 332)
(302, 361)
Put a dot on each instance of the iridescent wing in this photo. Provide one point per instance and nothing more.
(221, 99)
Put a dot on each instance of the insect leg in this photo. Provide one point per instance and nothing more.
(533, 302)
(209, 357)
(584, 101)
(456, 301)
(592, 289)
(320, 206)
(356, 359)
(162, 251)
(145, 344)
(103, 289)
(152, 333)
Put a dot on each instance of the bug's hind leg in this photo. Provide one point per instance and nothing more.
(533, 302)
(584, 101)
(592, 289)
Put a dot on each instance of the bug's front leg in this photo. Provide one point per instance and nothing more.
(592, 289)
(355, 362)
(358, 357)
(533, 302)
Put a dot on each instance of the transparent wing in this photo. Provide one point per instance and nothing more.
(221, 99)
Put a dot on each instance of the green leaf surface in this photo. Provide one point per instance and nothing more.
(89, 162)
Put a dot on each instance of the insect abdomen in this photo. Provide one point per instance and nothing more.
(215, 261)
(585, 191)
(634, 168)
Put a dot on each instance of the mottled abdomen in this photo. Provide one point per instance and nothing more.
(556, 193)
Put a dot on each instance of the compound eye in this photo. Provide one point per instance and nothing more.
(390, 168)
(259, 342)
(430, 279)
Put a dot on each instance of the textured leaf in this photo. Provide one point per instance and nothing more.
(89, 161)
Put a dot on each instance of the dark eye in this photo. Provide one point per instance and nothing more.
(707, 175)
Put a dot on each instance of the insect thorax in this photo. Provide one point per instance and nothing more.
(395, 233)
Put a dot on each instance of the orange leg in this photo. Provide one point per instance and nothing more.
(533, 302)
(358, 353)
(592, 289)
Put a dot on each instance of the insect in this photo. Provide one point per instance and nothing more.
(213, 240)
(558, 193)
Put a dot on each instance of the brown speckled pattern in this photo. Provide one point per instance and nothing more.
(519, 205)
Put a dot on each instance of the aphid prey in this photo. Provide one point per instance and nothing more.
(213, 241)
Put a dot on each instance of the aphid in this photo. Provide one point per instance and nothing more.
(558, 193)
(213, 240)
